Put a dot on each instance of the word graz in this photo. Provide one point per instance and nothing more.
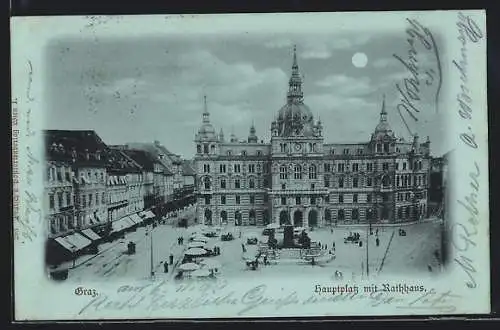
(410, 89)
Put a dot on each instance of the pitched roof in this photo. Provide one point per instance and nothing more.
(118, 161)
(76, 146)
(141, 157)
(162, 154)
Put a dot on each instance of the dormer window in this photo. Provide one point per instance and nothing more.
(229, 152)
(87, 154)
(243, 153)
(332, 151)
(198, 148)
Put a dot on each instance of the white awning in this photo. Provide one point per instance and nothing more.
(79, 240)
(73, 242)
(131, 220)
(147, 214)
(136, 218)
(122, 224)
(66, 244)
(91, 234)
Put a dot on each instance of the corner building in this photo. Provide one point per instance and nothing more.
(297, 178)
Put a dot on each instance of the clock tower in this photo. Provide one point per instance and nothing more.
(296, 155)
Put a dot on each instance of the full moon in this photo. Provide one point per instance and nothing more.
(359, 60)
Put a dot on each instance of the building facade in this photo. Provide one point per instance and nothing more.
(59, 193)
(297, 178)
(123, 185)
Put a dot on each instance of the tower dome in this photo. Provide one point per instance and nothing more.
(295, 118)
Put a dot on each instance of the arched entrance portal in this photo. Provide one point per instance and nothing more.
(385, 213)
(208, 217)
(251, 218)
(313, 218)
(284, 218)
(237, 218)
(298, 219)
(223, 217)
(370, 214)
(266, 217)
(328, 217)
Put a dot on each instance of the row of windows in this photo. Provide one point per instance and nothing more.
(407, 196)
(60, 174)
(252, 183)
(210, 149)
(237, 198)
(298, 172)
(311, 147)
(312, 200)
(297, 169)
(63, 200)
(411, 180)
(223, 168)
(84, 202)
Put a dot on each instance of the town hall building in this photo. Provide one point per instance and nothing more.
(300, 179)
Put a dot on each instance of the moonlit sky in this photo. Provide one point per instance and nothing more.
(144, 89)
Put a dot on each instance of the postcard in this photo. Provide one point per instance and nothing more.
(250, 165)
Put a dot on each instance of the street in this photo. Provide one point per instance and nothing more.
(411, 253)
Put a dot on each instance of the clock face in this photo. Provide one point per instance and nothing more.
(297, 146)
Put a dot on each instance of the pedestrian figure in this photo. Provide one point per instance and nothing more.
(333, 244)
(313, 262)
(171, 258)
(178, 241)
(429, 268)
(319, 244)
(377, 241)
(376, 232)
(326, 247)
(165, 267)
(265, 260)
(331, 230)
(240, 233)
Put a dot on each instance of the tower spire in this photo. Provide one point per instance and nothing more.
(295, 94)
(206, 114)
(383, 112)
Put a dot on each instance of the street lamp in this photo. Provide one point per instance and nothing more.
(367, 236)
(151, 252)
